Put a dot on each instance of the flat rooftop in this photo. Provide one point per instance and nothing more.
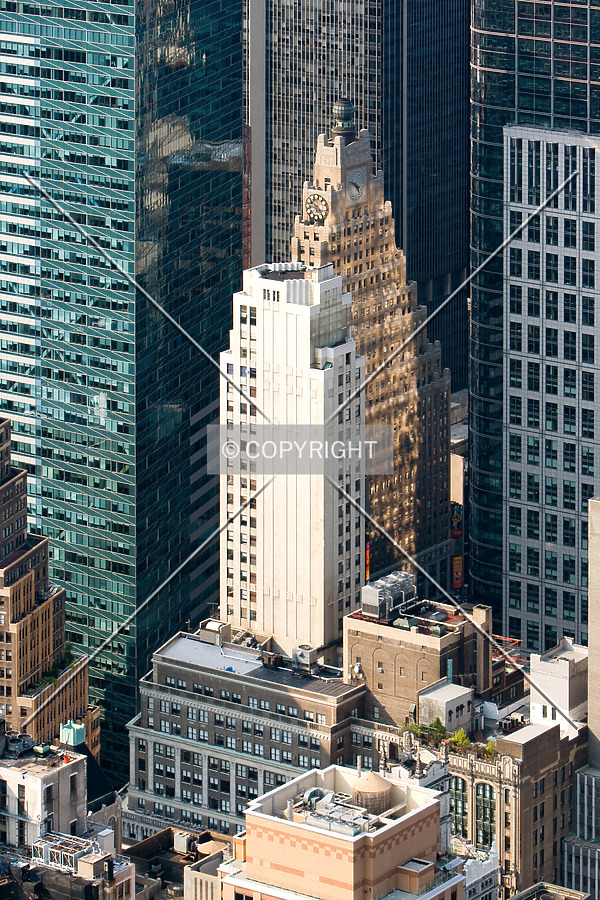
(527, 733)
(246, 662)
(338, 800)
(446, 692)
(565, 650)
(40, 765)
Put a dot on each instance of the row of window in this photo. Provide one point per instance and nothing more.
(571, 346)
(552, 223)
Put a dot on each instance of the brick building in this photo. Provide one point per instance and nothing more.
(41, 683)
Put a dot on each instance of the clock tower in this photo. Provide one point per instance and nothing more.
(346, 221)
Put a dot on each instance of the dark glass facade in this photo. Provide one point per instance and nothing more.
(132, 118)
(531, 64)
(405, 67)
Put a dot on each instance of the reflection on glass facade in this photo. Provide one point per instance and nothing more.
(143, 148)
(532, 64)
(405, 68)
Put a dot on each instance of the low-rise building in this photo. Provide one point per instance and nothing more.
(400, 645)
(521, 798)
(41, 789)
(79, 868)
(221, 722)
(338, 834)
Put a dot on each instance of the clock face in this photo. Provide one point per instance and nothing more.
(317, 208)
(356, 186)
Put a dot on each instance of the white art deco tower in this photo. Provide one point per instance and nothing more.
(292, 565)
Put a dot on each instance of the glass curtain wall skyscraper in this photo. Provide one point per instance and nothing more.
(404, 65)
(131, 116)
(532, 64)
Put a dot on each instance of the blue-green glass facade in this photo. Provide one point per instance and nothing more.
(531, 64)
(131, 117)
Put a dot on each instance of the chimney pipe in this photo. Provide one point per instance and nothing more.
(358, 766)
(290, 810)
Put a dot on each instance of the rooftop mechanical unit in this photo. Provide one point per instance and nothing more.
(382, 598)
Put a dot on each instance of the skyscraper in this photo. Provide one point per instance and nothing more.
(551, 374)
(405, 67)
(531, 65)
(347, 221)
(132, 119)
(292, 566)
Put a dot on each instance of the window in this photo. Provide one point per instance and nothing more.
(533, 451)
(587, 461)
(569, 494)
(514, 482)
(587, 349)
(514, 520)
(533, 593)
(569, 602)
(551, 491)
(570, 346)
(551, 602)
(516, 262)
(570, 419)
(588, 279)
(533, 376)
(516, 380)
(569, 532)
(552, 305)
(588, 237)
(551, 342)
(570, 309)
(587, 386)
(570, 382)
(533, 524)
(516, 336)
(514, 558)
(533, 413)
(515, 410)
(533, 636)
(587, 423)
(587, 311)
(533, 562)
(514, 594)
(551, 417)
(552, 379)
(533, 339)
(552, 231)
(533, 273)
(570, 233)
(533, 487)
(569, 457)
(515, 295)
(551, 454)
(552, 268)
(514, 447)
(551, 528)
(551, 565)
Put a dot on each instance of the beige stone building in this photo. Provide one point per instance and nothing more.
(340, 835)
(522, 798)
(41, 684)
(347, 221)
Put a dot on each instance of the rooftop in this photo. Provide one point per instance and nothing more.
(36, 764)
(567, 650)
(339, 800)
(446, 692)
(528, 733)
(246, 662)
